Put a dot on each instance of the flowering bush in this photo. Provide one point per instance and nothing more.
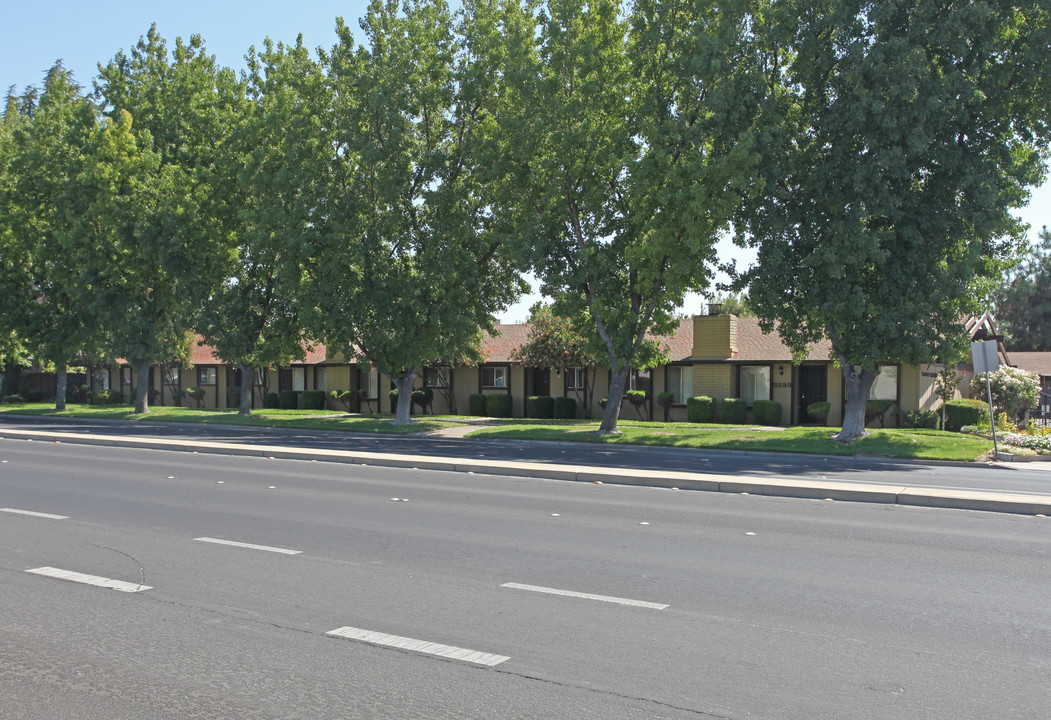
(1033, 442)
(1014, 390)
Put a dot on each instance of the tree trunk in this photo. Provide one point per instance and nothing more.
(617, 381)
(404, 386)
(244, 403)
(142, 371)
(856, 387)
(61, 381)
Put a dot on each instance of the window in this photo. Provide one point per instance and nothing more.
(299, 379)
(369, 379)
(206, 376)
(171, 375)
(125, 376)
(885, 387)
(494, 377)
(319, 379)
(642, 380)
(436, 377)
(680, 383)
(575, 378)
(755, 383)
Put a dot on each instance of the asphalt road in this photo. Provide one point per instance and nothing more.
(1020, 477)
(709, 605)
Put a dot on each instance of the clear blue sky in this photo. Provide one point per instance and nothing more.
(83, 34)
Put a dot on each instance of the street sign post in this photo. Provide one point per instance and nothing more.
(986, 359)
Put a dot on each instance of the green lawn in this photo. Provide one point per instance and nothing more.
(301, 419)
(918, 444)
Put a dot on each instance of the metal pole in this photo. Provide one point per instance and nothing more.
(989, 392)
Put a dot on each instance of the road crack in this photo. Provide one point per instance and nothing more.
(142, 570)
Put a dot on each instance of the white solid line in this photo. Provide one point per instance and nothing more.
(89, 579)
(250, 546)
(586, 596)
(35, 514)
(420, 646)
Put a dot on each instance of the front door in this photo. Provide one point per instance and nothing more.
(539, 381)
(813, 388)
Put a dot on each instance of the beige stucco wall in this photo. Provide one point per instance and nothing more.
(835, 396)
(782, 390)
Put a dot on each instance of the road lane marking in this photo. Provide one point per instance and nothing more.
(250, 546)
(89, 579)
(35, 514)
(586, 596)
(420, 646)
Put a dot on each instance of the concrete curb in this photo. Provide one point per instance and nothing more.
(1018, 503)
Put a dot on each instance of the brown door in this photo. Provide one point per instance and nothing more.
(813, 388)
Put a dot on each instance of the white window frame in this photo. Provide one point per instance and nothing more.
(207, 376)
(575, 378)
(886, 381)
(683, 387)
(299, 379)
(500, 377)
(757, 372)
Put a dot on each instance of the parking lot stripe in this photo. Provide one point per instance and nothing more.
(35, 514)
(250, 546)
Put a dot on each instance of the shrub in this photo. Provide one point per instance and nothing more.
(540, 406)
(925, 419)
(196, 394)
(313, 399)
(476, 404)
(565, 408)
(964, 411)
(341, 396)
(288, 399)
(876, 409)
(818, 411)
(423, 397)
(665, 400)
(969, 429)
(766, 412)
(732, 411)
(271, 401)
(14, 398)
(34, 396)
(700, 409)
(1014, 390)
(107, 397)
(499, 405)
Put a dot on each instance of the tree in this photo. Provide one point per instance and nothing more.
(159, 252)
(895, 137)
(45, 301)
(554, 342)
(1023, 302)
(626, 144)
(271, 169)
(945, 384)
(411, 268)
(734, 304)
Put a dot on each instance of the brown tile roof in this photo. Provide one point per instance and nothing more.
(204, 354)
(1038, 362)
(753, 345)
(680, 343)
(498, 348)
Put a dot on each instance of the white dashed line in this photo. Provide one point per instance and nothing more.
(89, 579)
(420, 646)
(35, 514)
(586, 596)
(250, 546)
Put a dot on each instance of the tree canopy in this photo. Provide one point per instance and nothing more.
(1023, 301)
(895, 138)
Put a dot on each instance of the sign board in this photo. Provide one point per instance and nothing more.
(984, 356)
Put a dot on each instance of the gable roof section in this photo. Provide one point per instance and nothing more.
(1038, 362)
(753, 345)
(498, 348)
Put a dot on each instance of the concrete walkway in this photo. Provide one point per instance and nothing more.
(1029, 503)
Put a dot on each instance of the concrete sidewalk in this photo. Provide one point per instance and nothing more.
(1027, 503)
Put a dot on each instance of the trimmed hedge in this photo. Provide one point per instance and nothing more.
(732, 411)
(476, 405)
(700, 409)
(288, 399)
(541, 407)
(819, 411)
(499, 405)
(922, 419)
(965, 411)
(34, 396)
(107, 397)
(766, 412)
(271, 401)
(875, 410)
(313, 399)
(565, 408)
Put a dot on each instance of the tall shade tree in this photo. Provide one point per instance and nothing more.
(271, 169)
(159, 210)
(627, 137)
(896, 136)
(44, 291)
(412, 268)
(1023, 301)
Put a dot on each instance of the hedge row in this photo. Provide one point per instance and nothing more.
(702, 409)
